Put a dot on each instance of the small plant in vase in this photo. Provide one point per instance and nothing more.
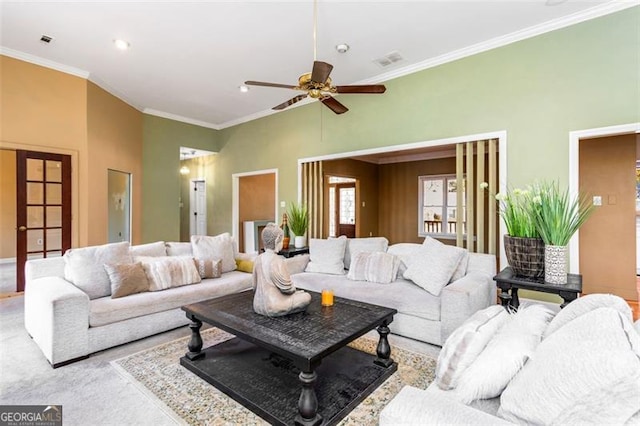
(298, 223)
(557, 217)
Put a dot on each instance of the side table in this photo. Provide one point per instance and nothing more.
(509, 283)
(293, 251)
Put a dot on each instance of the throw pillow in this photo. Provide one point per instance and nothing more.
(432, 266)
(461, 267)
(126, 279)
(244, 265)
(219, 247)
(327, 256)
(585, 304)
(152, 249)
(404, 251)
(359, 245)
(297, 264)
(170, 271)
(587, 372)
(179, 249)
(84, 267)
(377, 267)
(465, 344)
(209, 268)
(505, 354)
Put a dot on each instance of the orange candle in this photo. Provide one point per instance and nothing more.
(327, 297)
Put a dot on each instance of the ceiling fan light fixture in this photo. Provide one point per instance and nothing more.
(243, 88)
(342, 47)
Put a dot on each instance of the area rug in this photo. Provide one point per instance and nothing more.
(190, 400)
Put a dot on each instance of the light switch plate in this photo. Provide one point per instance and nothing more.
(597, 200)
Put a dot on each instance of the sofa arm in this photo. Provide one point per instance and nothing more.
(462, 298)
(412, 406)
(56, 315)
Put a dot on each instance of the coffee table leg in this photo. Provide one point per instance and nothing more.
(383, 350)
(308, 402)
(195, 344)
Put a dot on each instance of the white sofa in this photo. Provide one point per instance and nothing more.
(582, 368)
(421, 315)
(68, 325)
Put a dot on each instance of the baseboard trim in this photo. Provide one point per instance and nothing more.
(7, 260)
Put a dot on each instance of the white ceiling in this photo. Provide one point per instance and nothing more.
(187, 60)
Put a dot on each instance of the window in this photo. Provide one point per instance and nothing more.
(438, 206)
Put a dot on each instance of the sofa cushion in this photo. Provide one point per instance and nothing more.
(359, 245)
(297, 264)
(126, 279)
(404, 251)
(461, 267)
(327, 256)
(152, 249)
(209, 268)
(505, 354)
(401, 294)
(178, 249)
(84, 267)
(587, 372)
(218, 247)
(466, 343)
(106, 310)
(376, 267)
(169, 271)
(586, 304)
(432, 266)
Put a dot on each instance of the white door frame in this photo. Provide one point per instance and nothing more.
(235, 198)
(574, 173)
(193, 224)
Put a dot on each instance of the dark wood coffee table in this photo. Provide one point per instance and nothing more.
(274, 365)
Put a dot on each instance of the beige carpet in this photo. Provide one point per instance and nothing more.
(190, 400)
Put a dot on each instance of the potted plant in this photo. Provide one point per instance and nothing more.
(298, 223)
(557, 217)
(523, 246)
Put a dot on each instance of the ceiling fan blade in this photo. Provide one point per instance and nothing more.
(320, 72)
(367, 88)
(262, 83)
(290, 102)
(334, 105)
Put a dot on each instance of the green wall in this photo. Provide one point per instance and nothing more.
(161, 177)
(538, 90)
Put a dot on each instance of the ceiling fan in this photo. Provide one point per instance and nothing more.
(318, 84)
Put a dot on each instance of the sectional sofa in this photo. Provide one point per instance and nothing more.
(98, 297)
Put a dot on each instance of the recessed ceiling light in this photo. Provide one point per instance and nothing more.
(243, 88)
(342, 47)
(121, 44)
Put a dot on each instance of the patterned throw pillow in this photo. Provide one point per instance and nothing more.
(209, 268)
(170, 271)
(377, 267)
(126, 279)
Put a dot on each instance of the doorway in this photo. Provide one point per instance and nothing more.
(119, 210)
(198, 208)
(43, 207)
(342, 206)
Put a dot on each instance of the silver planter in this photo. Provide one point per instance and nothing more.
(555, 264)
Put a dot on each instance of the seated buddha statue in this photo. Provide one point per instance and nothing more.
(275, 295)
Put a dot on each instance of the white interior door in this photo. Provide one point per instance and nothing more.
(198, 208)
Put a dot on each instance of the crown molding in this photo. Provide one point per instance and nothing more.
(261, 114)
(27, 57)
(104, 86)
(176, 117)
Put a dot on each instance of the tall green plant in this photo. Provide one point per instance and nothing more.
(557, 215)
(298, 218)
(516, 211)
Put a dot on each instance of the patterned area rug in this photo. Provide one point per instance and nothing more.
(190, 400)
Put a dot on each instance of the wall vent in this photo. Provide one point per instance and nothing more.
(46, 39)
(389, 59)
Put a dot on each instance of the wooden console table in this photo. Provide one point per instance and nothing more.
(509, 283)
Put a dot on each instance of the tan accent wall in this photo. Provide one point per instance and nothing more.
(7, 204)
(50, 111)
(257, 199)
(608, 238)
(366, 175)
(398, 216)
(114, 142)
